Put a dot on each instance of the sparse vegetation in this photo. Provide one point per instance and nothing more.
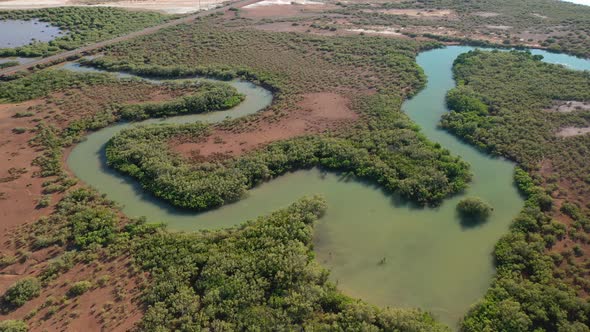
(8, 64)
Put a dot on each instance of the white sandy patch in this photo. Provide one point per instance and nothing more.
(579, 2)
(570, 106)
(282, 2)
(499, 27)
(167, 6)
(418, 12)
(486, 14)
(28, 4)
(573, 131)
(385, 31)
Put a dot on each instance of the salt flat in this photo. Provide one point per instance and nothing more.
(167, 6)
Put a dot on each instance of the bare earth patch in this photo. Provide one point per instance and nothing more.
(499, 27)
(572, 131)
(283, 8)
(19, 189)
(486, 14)
(167, 6)
(570, 106)
(378, 31)
(317, 112)
(442, 13)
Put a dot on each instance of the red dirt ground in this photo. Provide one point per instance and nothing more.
(20, 195)
(317, 112)
(565, 193)
(110, 307)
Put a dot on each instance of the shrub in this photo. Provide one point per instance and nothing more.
(93, 226)
(19, 130)
(6, 260)
(473, 209)
(23, 114)
(21, 292)
(44, 202)
(13, 326)
(79, 288)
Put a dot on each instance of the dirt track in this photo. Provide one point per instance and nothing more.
(146, 31)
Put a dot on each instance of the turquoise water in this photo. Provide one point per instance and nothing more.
(431, 260)
(22, 33)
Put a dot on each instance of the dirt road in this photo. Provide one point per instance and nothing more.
(147, 31)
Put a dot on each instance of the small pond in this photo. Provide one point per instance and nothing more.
(24, 32)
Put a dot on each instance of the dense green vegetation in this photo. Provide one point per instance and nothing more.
(502, 104)
(260, 276)
(227, 278)
(13, 326)
(527, 293)
(555, 25)
(473, 210)
(8, 64)
(385, 156)
(292, 64)
(499, 106)
(81, 25)
(211, 97)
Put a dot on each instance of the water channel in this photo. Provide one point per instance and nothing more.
(428, 259)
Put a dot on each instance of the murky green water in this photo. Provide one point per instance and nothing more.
(428, 259)
(21, 33)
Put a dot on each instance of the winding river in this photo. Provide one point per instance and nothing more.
(378, 247)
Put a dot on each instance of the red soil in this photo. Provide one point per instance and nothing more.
(565, 193)
(111, 307)
(20, 193)
(317, 112)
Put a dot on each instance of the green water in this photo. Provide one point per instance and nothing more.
(430, 260)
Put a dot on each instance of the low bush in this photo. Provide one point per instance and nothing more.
(79, 288)
(21, 292)
(473, 209)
